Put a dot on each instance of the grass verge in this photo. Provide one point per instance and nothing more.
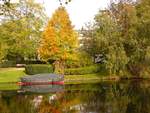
(89, 78)
(8, 86)
(11, 74)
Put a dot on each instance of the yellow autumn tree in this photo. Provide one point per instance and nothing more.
(59, 41)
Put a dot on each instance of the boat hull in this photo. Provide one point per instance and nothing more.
(41, 83)
(40, 79)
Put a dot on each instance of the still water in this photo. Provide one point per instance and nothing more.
(105, 97)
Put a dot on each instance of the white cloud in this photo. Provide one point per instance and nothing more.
(14, 1)
(80, 11)
(83, 11)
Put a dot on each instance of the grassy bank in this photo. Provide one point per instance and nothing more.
(89, 78)
(13, 75)
(9, 86)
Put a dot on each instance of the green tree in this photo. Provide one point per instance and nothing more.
(6, 7)
(143, 14)
(121, 34)
(124, 14)
(106, 41)
(21, 33)
(3, 50)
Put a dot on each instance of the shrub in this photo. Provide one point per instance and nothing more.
(135, 69)
(8, 63)
(83, 70)
(38, 68)
(34, 62)
(83, 60)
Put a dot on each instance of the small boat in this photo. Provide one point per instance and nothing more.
(42, 79)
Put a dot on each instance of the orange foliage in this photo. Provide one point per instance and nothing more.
(47, 108)
(59, 40)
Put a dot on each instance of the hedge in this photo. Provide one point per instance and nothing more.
(33, 62)
(6, 64)
(83, 60)
(84, 70)
(38, 68)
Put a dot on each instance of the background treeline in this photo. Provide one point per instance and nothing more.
(120, 35)
(20, 29)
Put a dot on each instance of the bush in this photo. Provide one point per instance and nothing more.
(6, 64)
(38, 68)
(34, 62)
(83, 70)
(135, 69)
(83, 60)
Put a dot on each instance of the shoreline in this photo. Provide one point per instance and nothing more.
(82, 80)
(103, 79)
(7, 86)
(12, 75)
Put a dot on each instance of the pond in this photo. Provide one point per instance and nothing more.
(104, 97)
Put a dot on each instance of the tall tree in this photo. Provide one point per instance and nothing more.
(124, 14)
(110, 43)
(3, 50)
(143, 14)
(20, 31)
(6, 6)
(59, 40)
(121, 34)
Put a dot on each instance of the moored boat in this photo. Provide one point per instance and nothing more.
(40, 79)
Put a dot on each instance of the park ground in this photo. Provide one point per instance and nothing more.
(12, 75)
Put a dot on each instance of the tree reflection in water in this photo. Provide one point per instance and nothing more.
(106, 97)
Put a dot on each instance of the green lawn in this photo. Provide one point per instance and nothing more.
(88, 78)
(75, 79)
(9, 86)
(11, 74)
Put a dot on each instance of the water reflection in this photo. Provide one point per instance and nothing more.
(42, 88)
(106, 97)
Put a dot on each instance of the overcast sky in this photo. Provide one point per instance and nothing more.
(80, 11)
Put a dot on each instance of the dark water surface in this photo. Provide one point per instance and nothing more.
(106, 97)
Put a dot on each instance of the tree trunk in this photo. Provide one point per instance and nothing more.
(59, 67)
